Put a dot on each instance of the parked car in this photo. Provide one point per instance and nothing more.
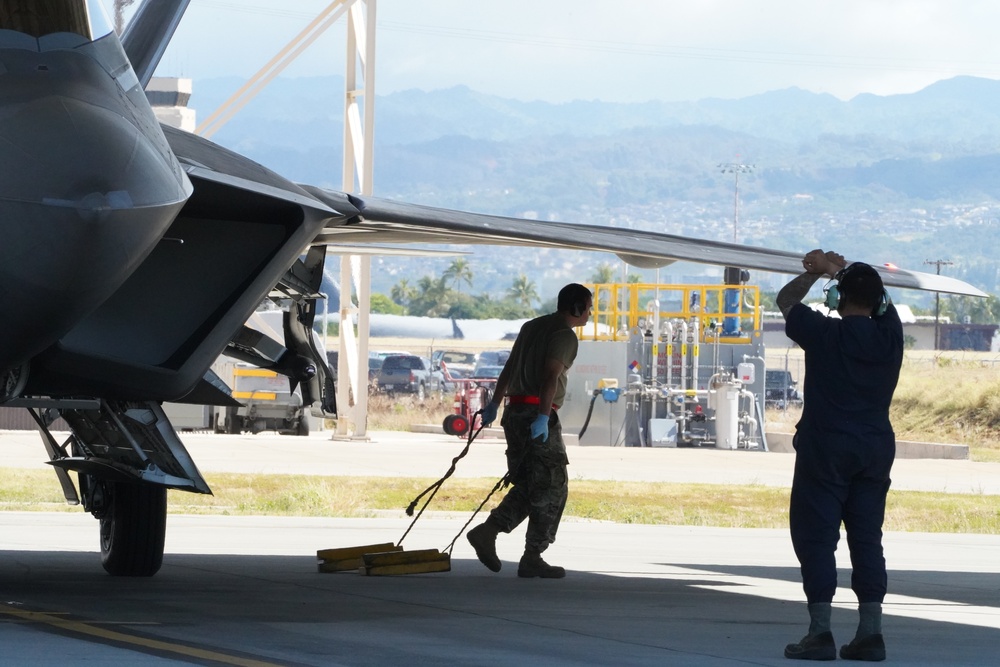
(486, 372)
(493, 358)
(779, 390)
(410, 374)
(459, 364)
(374, 364)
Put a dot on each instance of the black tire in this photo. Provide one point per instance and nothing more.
(133, 529)
(234, 423)
(303, 428)
(455, 425)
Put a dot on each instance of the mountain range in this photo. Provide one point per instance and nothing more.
(902, 178)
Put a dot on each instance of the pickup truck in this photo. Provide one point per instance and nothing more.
(779, 390)
(410, 374)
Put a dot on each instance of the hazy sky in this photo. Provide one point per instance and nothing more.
(614, 50)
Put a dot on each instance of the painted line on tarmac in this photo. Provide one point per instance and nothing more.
(929, 609)
(151, 646)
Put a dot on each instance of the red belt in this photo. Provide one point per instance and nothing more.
(527, 400)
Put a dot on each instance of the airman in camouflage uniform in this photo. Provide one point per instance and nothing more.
(534, 383)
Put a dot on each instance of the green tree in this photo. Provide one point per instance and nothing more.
(432, 298)
(380, 303)
(401, 292)
(459, 272)
(510, 308)
(974, 309)
(463, 306)
(523, 291)
(604, 274)
(768, 301)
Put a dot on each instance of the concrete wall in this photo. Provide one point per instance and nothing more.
(782, 442)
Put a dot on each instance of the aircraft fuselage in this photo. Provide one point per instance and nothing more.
(90, 184)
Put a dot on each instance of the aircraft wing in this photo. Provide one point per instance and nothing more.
(385, 221)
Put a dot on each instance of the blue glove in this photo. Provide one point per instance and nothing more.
(489, 413)
(540, 428)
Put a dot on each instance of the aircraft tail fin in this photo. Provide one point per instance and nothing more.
(148, 34)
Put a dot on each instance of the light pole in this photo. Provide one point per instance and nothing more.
(938, 263)
(736, 168)
(733, 275)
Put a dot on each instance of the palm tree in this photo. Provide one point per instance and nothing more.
(459, 272)
(523, 291)
(604, 274)
(401, 292)
(431, 298)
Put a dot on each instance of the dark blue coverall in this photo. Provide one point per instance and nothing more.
(844, 446)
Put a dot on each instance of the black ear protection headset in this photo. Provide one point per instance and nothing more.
(832, 293)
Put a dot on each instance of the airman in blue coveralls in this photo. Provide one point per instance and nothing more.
(844, 445)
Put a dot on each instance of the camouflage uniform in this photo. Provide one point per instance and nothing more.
(536, 470)
(537, 473)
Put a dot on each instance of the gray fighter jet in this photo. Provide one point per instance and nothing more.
(132, 254)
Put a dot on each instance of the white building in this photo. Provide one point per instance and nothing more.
(169, 97)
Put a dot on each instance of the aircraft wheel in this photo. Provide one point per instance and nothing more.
(455, 425)
(218, 422)
(133, 528)
(303, 428)
(234, 422)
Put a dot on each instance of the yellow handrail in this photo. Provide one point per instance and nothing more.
(731, 312)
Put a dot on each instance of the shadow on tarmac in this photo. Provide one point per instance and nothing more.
(279, 610)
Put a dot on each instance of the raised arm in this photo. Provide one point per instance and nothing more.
(816, 264)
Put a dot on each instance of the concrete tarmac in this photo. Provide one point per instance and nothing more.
(245, 590)
(403, 454)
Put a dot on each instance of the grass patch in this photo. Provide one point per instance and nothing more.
(949, 400)
(725, 506)
(400, 412)
(948, 397)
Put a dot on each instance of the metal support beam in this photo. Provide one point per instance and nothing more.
(358, 172)
(214, 122)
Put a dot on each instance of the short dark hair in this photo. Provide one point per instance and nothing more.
(573, 299)
(860, 284)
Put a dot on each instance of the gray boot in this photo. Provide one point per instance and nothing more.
(869, 619)
(868, 644)
(818, 644)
